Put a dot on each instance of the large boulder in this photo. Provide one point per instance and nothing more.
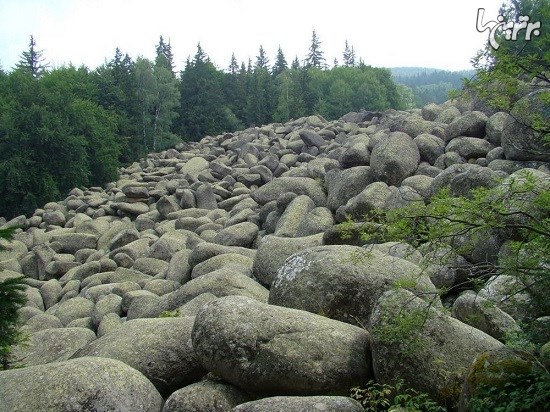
(299, 185)
(342, 185)
(430, 351)
(159, 348)
(273, 350)
(274, 250)
(343, 282)
(85, 384)
(470, 124)
(301, 403)
(395, 158)
(51, 345)
(206, 395)
(519, 139)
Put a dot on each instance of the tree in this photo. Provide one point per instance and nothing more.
(503, 73)
(315, 56)
(262, 60)
(233, 65)
(295, 63)
(32, 61)
(164, 57)
(280, 63)
(349, 56)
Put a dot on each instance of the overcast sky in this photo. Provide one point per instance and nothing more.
(389, 33)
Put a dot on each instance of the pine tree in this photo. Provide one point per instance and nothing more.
(32, 61)
(349, 56)
(295, 63)
(315, 56)
(280, 63)
(233, 65)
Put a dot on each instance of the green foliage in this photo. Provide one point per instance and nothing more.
(522, 392)
(383, 397)
(12, 296)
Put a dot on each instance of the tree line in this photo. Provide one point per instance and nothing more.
(73, 127)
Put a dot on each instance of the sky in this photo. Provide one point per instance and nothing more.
(384, 33)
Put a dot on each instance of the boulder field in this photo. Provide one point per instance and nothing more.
(214, 276)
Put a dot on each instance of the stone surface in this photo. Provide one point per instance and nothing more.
(94, 384)
(268, 349)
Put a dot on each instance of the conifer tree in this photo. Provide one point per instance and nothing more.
(262, 60)
(315, 57)
(165, 58)
(349, 56)
(32, 61)
(280, 63)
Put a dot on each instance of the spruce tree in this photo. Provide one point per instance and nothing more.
(262, 60)
(315, 57)
(32, 61)
(280, 63)
(165, 57)
(349, 56)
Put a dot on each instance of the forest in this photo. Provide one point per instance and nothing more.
(69, 126)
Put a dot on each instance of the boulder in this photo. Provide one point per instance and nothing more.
(159, 348)
(294, 214)
(93, 384)
(299, 185)
(241, 234)
(342, 185)
(273, 350)
(301, 403)
(430, 147)
(430, 351)
(395, 159)
(51, 345)
(343, 282)
(470, 124)
(206, 395)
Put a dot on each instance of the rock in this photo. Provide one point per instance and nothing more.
(51, 292)
(41, 321)
(343, 282)
(109, 322)
(110, 303)
(232, 261)
(293, 216)
(374, 197)
(194, 166)
(167, 205)
(299, 185)
(301, 403)
(519, 140)
(159, 348)
(471, 124)
(481, 314)
(493, 369)
(134, 209)
(206, 395)
(274, 250)
(316, 221)
(76, 385)
(430, 351)
(72, 309)
(150, 266)
(356, 155)
(430, 147)
(395, 158)
(268, 349)
(494, 127)
(52, 345)
(241, 234)
(342, 185)
(469, 147)
(310, 138)
(54, 218)
(72, 242)
(431, 111)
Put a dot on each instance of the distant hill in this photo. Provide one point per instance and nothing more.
(429, 85)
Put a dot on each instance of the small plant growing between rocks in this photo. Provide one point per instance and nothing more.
(170, 314)
(376, 397)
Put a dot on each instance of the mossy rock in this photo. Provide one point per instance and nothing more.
(494, 369)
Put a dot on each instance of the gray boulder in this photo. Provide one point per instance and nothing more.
(343, 282)
(471, 124)
(206, 395)
(519, 140)
(430, 351)
(274, 250)
(241, 234)
(483, 315)
(430, 147)
(301, 404)
(395, 158)
(469, 147)
(273, 350)
(159, 348)
(342, 185)
(294, 214)
(94, 384)
(299, 185)
(51, 345)
(494, 127)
